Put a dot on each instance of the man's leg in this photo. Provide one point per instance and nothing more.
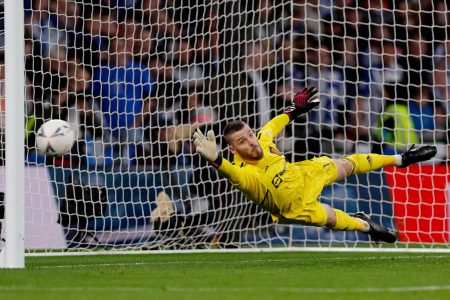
(362, 163)
(339, 220)
(320, 214)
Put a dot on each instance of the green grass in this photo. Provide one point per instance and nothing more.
(231, 276)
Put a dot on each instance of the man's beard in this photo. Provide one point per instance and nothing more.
(256, 154)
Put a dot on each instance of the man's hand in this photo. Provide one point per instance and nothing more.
(304, 101)
(206, 147)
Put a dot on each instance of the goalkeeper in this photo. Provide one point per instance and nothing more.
(290, 191)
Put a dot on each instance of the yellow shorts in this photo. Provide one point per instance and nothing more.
(308, 178)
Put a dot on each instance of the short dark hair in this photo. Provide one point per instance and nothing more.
(231, 128)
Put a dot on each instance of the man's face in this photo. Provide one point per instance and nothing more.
(245, 143)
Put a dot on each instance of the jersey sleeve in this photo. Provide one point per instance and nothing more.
(244, 181)
(273, 127)
(250, 184)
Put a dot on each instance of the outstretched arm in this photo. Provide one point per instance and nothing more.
(303, 102)
(274, 126)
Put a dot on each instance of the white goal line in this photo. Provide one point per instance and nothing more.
(175, 289)
(251, 250)
(239, 261)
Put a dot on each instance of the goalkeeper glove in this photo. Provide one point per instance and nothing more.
(304, 101)
(207, 147)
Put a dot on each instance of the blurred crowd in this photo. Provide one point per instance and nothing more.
(382, 70)
(136, 77)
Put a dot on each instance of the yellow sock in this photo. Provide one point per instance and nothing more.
(347, 222)
(363, 163)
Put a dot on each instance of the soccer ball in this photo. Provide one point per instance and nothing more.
(55, 138)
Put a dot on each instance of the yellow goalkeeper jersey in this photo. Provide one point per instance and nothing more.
(286, 190)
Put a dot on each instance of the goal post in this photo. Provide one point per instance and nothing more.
(12, 254)
(136, 78)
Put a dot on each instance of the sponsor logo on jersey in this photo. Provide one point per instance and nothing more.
(276, 181)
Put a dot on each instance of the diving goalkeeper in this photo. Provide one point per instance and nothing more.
(290, 191)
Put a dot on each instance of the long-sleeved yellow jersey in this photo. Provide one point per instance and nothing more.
(282, 188)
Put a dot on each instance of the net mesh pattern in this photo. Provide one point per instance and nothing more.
(136, 78)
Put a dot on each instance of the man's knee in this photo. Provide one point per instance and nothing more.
(331, 215)
(344, 168)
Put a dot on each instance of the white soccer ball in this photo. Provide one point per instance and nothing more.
(55, 138)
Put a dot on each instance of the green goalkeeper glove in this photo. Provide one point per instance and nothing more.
(207, 147)
(303, 102)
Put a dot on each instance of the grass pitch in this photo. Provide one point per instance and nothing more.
(232, 276)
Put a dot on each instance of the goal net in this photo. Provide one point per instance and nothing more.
(135, 78)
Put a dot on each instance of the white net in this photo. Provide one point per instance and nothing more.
(135, 78)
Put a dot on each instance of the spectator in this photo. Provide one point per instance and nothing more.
(94, 33)
(420, 120)
(417, 60)
(53, 25)
(327, 122)
(168, 89)
(395, 129)
(379, 12)
(269, 24)
(441, 74)
(77, 82)
(307, 19)
(185, 70)
(174, 136)
(385, 75)
(124, 88)
(423, 113)
(44, 75)
(356, 105)
(395, 132)
(143, 44)
(161, 23)
(351, 69)
(291, 61)
(358, 129)
(407, 18)
(436, 21)
(372, 55)
(207, 54)
(194, 109)
(76, 105)
(258, 81)
(347, 21)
